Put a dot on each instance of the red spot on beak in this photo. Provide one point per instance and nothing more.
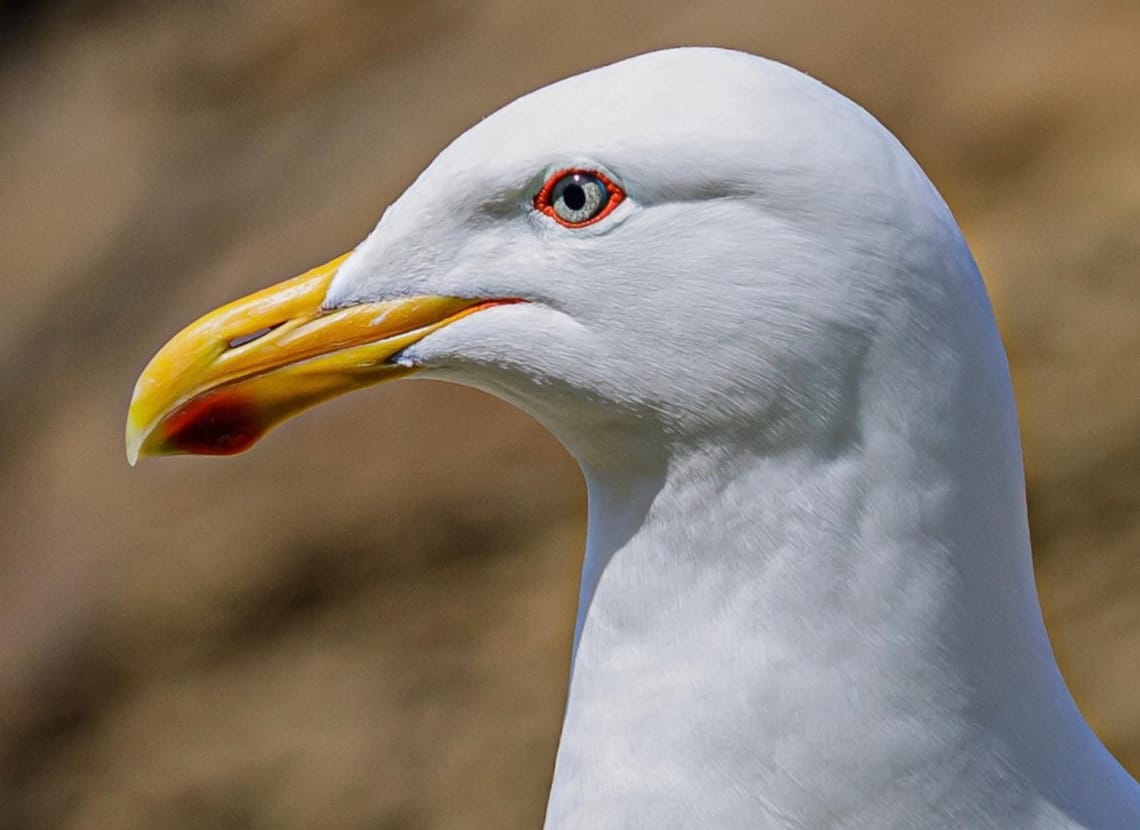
(217, 423)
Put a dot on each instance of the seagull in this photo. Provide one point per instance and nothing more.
(807, 597)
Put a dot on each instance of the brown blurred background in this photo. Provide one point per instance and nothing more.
(365, 622)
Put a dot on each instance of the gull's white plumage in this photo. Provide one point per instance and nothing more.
(807, 598)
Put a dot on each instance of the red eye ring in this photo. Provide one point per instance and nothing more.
(544, 200)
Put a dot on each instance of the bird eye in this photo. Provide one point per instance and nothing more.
(576, 198)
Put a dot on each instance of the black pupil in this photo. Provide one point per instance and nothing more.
(574, 196)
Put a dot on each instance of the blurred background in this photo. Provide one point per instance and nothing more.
(365, 622)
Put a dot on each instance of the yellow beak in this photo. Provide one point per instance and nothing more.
(227, 379)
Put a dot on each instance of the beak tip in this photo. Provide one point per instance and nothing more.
(134, 440)
(132, 453)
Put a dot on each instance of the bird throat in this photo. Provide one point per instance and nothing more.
(743, 619)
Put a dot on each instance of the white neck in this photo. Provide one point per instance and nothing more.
(839, 636)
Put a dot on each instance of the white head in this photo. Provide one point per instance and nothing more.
(770, 229)
(770, 233)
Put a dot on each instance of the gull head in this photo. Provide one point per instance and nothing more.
(685, 243)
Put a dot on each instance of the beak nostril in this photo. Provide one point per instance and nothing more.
(242, 339)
